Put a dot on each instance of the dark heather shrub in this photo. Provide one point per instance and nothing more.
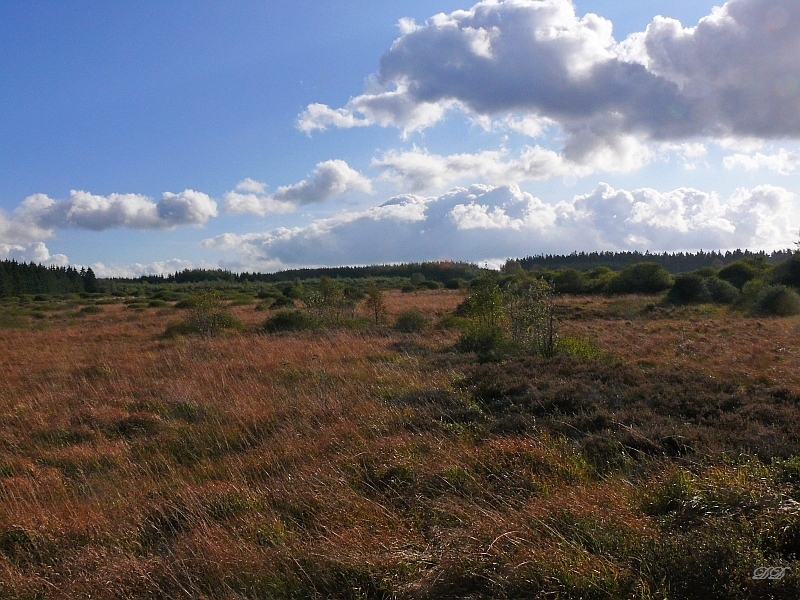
(641, 278)
(688, 289)
(484, 340)
(570, 281)
(290, 320)
(410, 321)
(788, 272)
(779, 301)
(738, 273)
(721, 291)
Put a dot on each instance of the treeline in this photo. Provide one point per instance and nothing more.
(676, 262)
(17, 279)
(432, 271)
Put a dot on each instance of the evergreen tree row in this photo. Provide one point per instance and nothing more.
(17, 279)
(677, 262)
(433, 271)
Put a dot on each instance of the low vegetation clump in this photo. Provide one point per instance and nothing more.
(779, 301)
(208, 316)
(410, 321)
(290, 320)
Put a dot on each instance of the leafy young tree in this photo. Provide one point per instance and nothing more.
(375, 303)
(529, 312)
(208, 314)
(485, 303)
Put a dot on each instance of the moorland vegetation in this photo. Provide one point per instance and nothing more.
(547, 433)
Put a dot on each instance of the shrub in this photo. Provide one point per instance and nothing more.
(454, 284)
(570, 281)
(410, 321)
(688, 289)
(209, 314)
(281, 301)
(788, 272)
(641, 278)
(291, 320)
(779, 301)
(484, 340)
(295, 291)
(753, 289)
(721, 291)
(738, 273)
(375, 304)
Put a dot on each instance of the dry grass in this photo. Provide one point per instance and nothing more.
(366, 464)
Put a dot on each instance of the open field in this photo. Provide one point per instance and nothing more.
(656, 460)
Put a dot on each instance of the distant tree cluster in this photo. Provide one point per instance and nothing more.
(17, 279)
(677, 262)
(442, 272)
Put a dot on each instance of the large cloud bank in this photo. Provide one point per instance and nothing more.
(482, 222)
(735, 74)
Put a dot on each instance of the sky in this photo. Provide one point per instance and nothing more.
(150, 137)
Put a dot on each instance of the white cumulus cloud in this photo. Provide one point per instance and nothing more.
(783, 162)
(330, 178)
(89, 211)
(482, 221)
(35, 252)
(733, 75)
(420, 170)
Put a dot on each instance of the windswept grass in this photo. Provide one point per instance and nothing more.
(655, 457)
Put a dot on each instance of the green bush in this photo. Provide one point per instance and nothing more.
(688, 289)
(454, 284)
(209, 314)
(721, 291)
(570, 281)
(295, 291)
(739, 272)
(779, 301)
(291, 320)
(410, 321)
(641, 278)
(788, 272)
(484, 340)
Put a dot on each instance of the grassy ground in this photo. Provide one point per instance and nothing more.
(655, 459)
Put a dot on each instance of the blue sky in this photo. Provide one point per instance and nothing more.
(149, 137)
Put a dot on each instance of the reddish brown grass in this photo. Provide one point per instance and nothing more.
(257, 466)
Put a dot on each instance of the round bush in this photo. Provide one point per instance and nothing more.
(788, 272)
(738, 273)
(484, 341)
(429, 285)
(410, 321)
(779, 301)
(290, 320)
(721, 291)
(688, 289)
(641, 278)
(570, 281)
